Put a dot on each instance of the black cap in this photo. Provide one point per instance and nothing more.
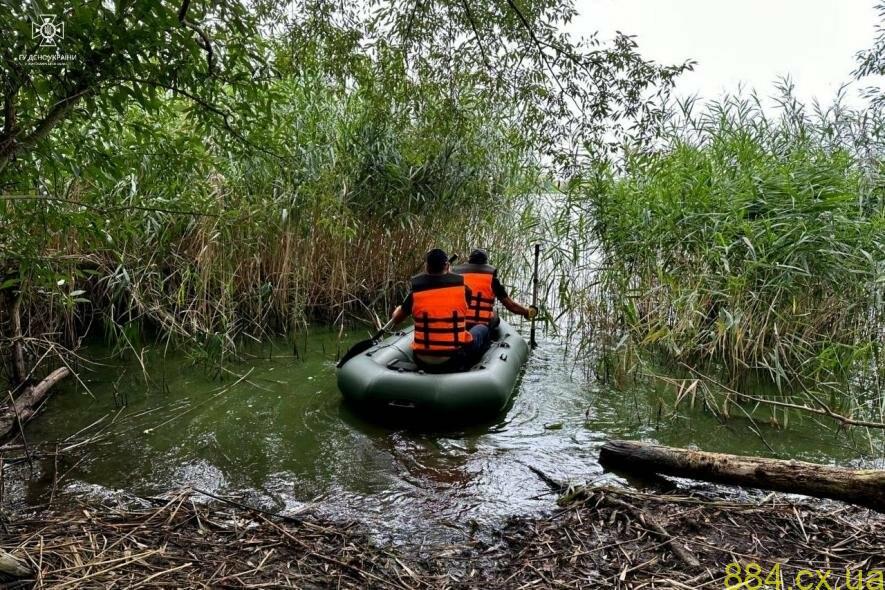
(478, 256)
(436, 260)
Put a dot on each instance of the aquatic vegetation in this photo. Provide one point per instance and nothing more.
(208, 241)
(281, 162)
(750, 240)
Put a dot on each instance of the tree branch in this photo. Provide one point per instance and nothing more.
(52, 118)
(225, 115)
(205, 42)
(824, 410)
(482, 50)
(540, 47)
(19, 371)
(8, 115)
(22, 409)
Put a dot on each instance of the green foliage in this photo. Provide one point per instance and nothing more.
(179, 228)
(752, 240)
(226, 168)
(871, 62)
(225, 57)
(118, 53)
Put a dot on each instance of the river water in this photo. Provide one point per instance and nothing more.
(275, 434)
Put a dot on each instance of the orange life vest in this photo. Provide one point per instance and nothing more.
(439, 308)
(479, 277)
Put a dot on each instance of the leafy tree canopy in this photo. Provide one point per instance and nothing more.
(565, 95)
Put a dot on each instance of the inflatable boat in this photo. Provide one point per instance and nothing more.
(385, 377)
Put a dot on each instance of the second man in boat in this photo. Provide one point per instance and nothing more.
(482, 281)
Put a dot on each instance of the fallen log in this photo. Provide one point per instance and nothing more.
(27, 404)
(864, 487)
(15, 412)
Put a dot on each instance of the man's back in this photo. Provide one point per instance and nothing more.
(482, 280)
(438, 304)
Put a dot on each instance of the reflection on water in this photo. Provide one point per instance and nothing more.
(282, 439)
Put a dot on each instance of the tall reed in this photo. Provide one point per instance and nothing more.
(751, 240)
(322, 213)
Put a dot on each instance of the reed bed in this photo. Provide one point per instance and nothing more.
(321, 214)
(749, 241)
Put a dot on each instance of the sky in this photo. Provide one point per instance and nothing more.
(749, 42)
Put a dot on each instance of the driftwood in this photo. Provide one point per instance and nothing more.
(13, 566)
(861, 487)
(25, 405)
(646, 518)
(594, 540)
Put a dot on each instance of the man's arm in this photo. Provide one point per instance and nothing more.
(526, 312)
(399, 315)
(402, 311)
(510, 304)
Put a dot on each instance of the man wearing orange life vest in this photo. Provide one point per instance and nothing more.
(482, 280)
(438, 304)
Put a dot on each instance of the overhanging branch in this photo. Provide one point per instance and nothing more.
(476, 34)
(538, 45)
(223, 114)
(205, 42)
(52, 118)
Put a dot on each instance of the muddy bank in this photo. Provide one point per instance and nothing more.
(598, 537)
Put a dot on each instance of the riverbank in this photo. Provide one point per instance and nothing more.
(599, 537)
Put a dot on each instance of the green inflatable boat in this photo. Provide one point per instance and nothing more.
(385, 378)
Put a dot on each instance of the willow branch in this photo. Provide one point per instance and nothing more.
(205, 42)
(476, 36)
(223, 114)
(58, 112)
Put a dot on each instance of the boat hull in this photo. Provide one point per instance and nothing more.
(385, 378)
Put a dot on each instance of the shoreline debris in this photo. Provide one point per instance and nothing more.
(599, 536)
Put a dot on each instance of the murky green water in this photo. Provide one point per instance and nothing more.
(282, 439)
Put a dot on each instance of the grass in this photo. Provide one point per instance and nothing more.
(749, 240)
(166, 229)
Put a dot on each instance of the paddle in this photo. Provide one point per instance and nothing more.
(364, 345)
(532, 340)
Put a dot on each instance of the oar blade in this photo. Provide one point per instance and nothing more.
(356, 349)
(364, 345)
